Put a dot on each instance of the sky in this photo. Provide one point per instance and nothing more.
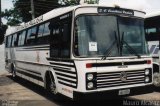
(145, 5)
(6, 4)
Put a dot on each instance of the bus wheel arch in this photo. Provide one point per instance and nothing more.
(155, 68)
(50, 83)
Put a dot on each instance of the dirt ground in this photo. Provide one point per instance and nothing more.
(20, 92)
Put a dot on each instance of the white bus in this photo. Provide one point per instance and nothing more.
(152, 29)
(82, 51)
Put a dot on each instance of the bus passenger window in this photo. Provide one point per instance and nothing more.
(6, 41)
(60, 38)
(21, 40)
(55, 40)
(40, 30)
(43, 33)
(14, 40)
(20, 37)
(9, 41)
(46, 31)
(65, 51)
(31, 36)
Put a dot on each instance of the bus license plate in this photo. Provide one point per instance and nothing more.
(124, 92)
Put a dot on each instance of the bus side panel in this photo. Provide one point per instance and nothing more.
(7, 59)
(32, 64)
(8, 53)
(65, 74)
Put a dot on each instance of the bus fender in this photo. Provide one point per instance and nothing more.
(155, 67)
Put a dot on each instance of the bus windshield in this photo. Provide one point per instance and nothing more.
(101, 35)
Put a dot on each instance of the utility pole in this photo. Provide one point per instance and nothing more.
(32, 9)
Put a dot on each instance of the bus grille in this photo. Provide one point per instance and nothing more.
(113, 79)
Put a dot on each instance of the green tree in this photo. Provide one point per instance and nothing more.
(40, 7)
(11, 16)
(21, 11)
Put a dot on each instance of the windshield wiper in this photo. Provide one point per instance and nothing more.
(130, 49)
(108, 51)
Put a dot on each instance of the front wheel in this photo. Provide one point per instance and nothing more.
(13, 72)
(156, 79)
(52, 85)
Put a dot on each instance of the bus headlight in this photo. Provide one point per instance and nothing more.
(147, 72)
(90, 85)
(90, 77)
(91, 81)
(146, 79)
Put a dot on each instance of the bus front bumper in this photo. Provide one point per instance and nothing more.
(112, 94)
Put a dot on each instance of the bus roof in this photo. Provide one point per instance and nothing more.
(57, 12)
(153, 14)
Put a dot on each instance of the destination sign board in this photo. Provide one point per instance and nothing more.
(105, 10)
(31, 23)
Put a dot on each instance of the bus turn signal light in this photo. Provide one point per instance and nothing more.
(149, 62)
(88, 65)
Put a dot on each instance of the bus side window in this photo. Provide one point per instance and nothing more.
(29, 31)
(60, 38)
(9, 41)
(21, 39)
(46, 31)
(55, 39)
(6, 41)
(65, 50)
(40, 30)
(14, 39)
(31, 36)
(43, 33)
(16, 42)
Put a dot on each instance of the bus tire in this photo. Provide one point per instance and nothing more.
(156, 79)
(13, 70)
(156, 75)
(51, 85)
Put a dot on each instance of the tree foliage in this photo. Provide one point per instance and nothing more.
(22, 9)
(40, 7)
(12, 16)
